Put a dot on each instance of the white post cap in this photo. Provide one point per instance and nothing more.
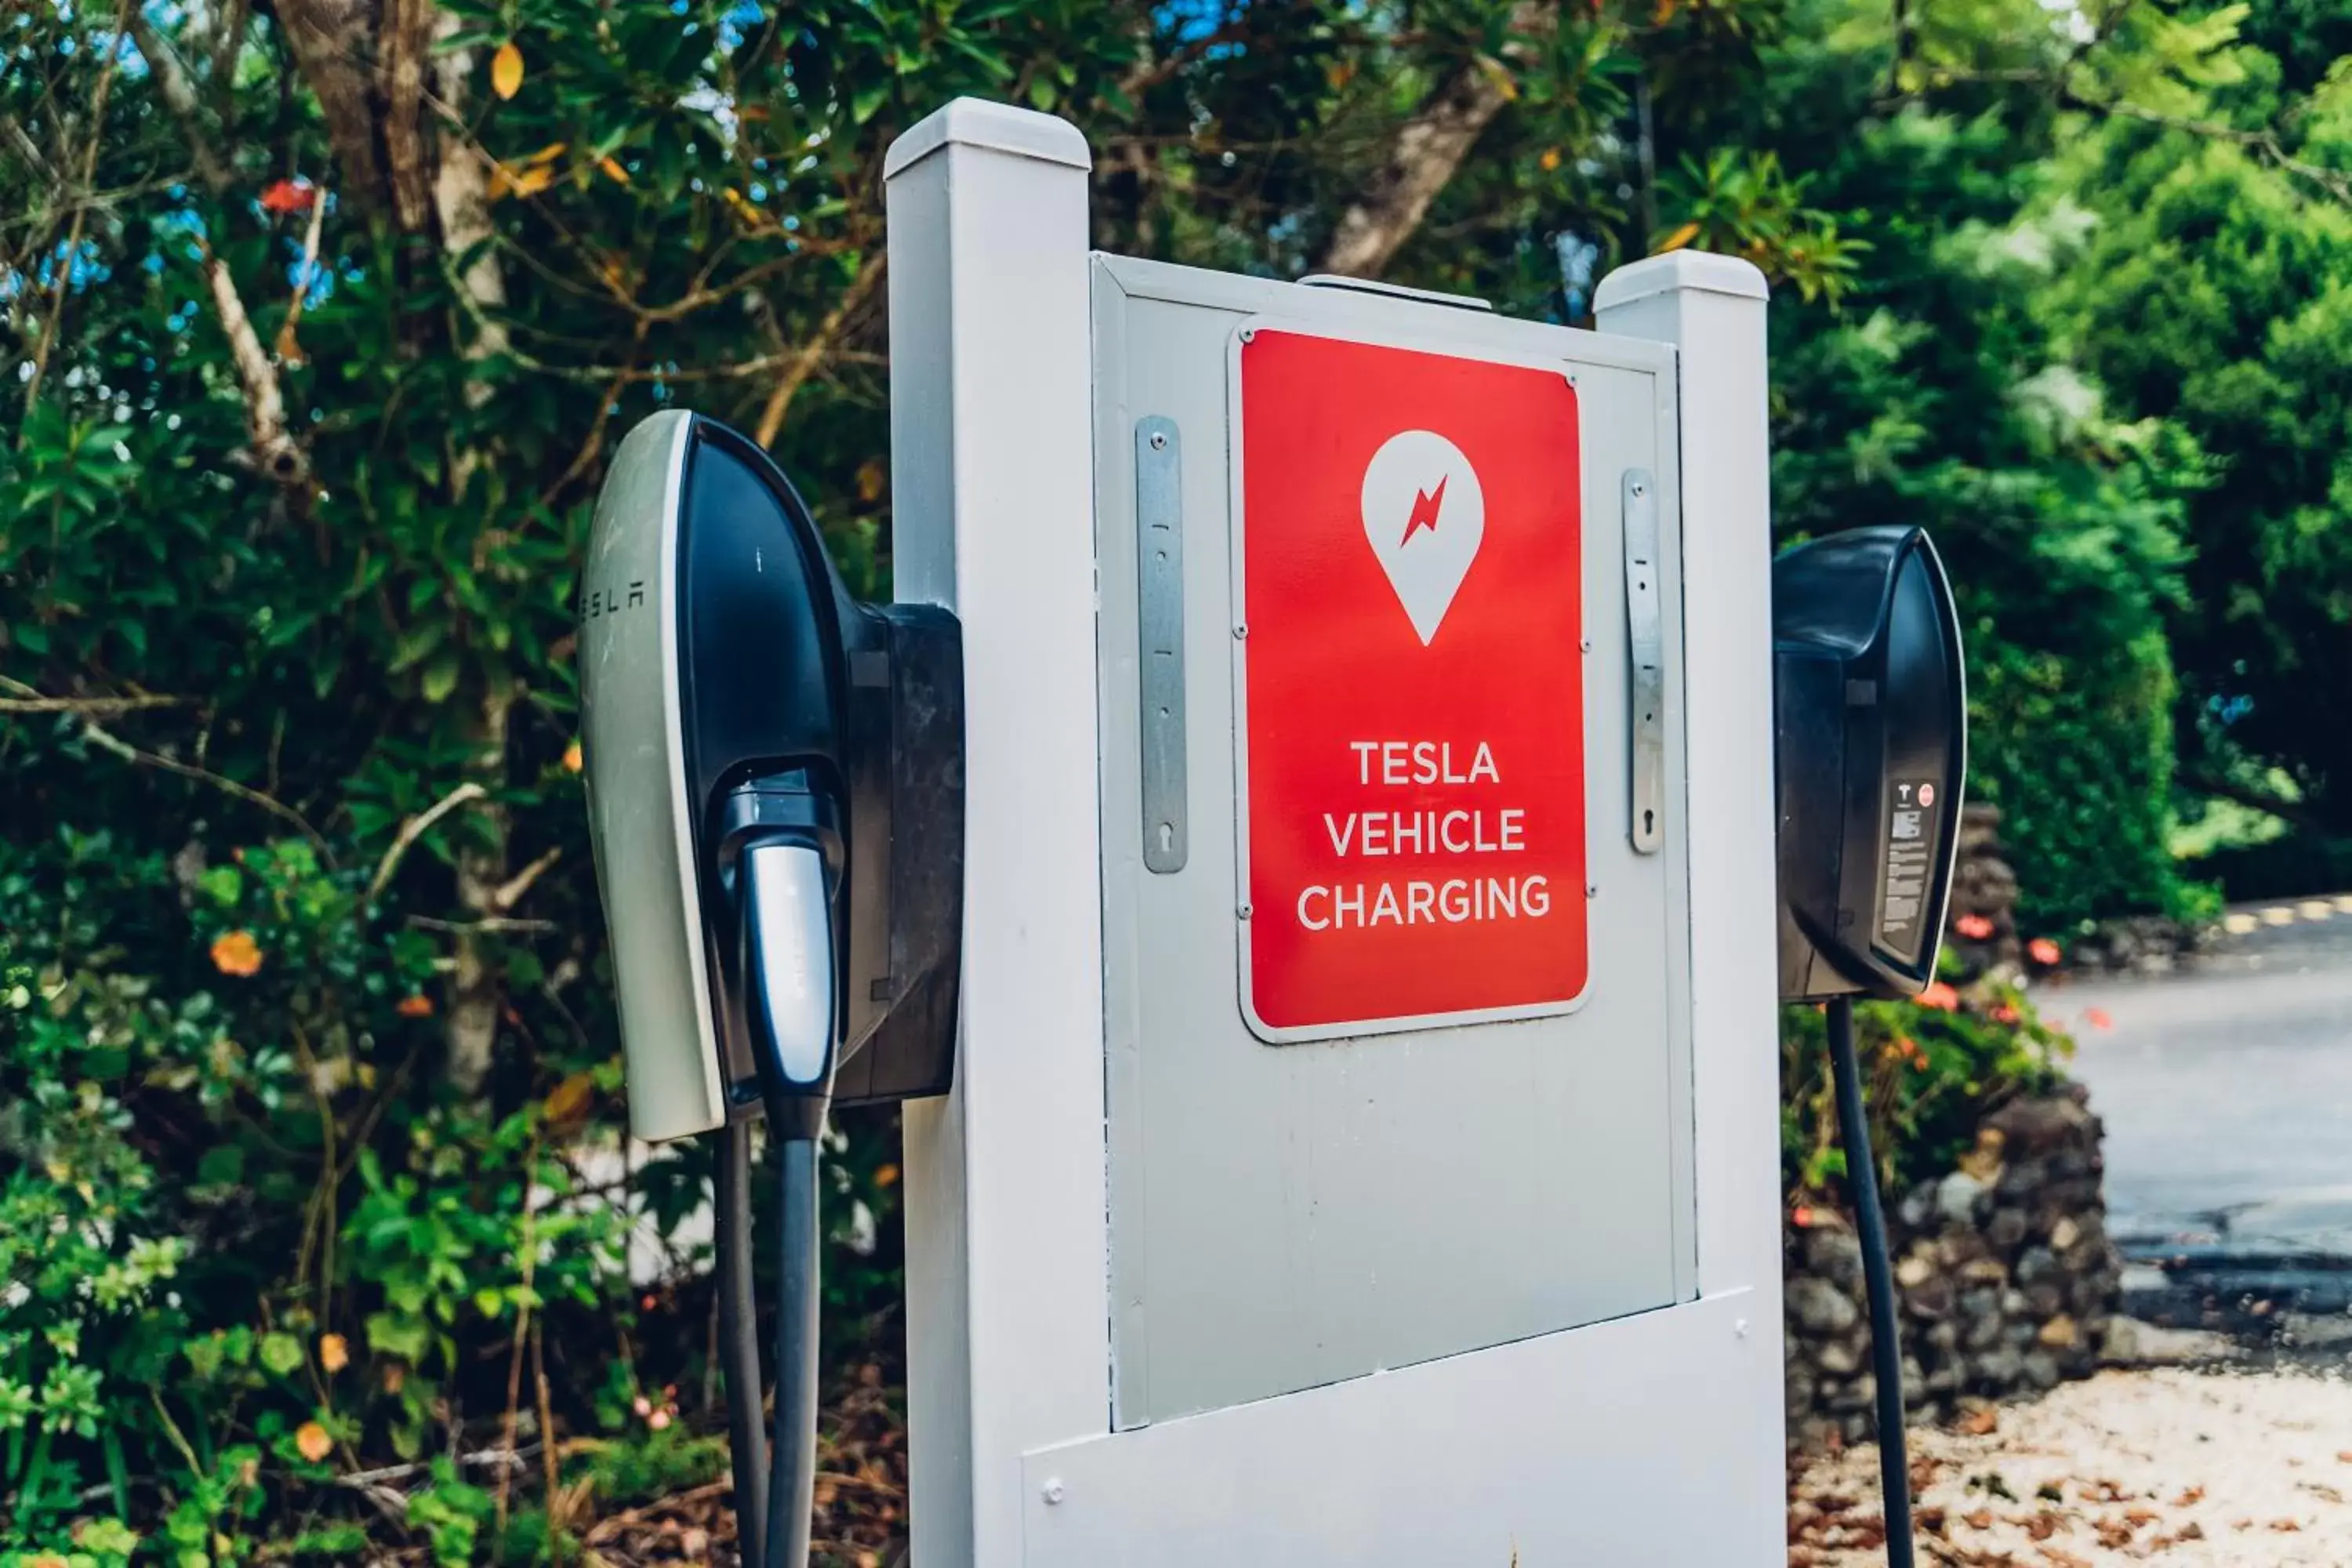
(1000, 127)
(1702, 272)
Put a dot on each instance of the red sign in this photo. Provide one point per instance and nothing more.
(1412, 545)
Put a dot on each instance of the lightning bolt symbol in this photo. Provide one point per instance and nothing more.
(1425, 504)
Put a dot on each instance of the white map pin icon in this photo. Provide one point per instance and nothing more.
(1425, 515)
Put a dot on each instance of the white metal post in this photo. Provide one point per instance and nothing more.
(1711, 308)
(992, 482)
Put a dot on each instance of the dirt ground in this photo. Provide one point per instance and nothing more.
(2220, 1465)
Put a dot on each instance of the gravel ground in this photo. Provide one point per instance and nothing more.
(2251, 1470)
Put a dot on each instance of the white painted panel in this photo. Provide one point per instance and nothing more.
(1287, 1215)
(1643, 1442)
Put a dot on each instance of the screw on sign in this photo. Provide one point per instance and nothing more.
(1413, 685)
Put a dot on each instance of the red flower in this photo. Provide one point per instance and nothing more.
(1802, 1216)
(1940, 995)
(284, 196)
(2004, 1014)
(1975, 928)
(2042, 950)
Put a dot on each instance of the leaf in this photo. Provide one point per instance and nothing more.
(311, 1440)
(1677, 239)
(390, 1333)
(506, 69)
(440, 678)
(280, 1352)
(569, 1100)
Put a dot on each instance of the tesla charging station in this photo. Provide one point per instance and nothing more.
(1364, 1140)
(1303, 850)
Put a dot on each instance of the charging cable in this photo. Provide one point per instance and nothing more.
(787, 971)
(1878, 1284)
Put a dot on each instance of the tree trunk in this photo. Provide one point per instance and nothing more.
(1428, 147)
(367, 64)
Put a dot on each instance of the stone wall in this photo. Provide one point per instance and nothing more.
(2007, 1281)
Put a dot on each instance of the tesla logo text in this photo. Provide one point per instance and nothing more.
(608, 600)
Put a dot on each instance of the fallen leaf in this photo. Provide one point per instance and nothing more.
(1980, 1422)
(506, 69)
(568, 1102)
(236, 953)
(2195, 1495)
(334, 1353)
(312, 1441)
(2284, 1526)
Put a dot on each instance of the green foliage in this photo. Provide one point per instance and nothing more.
(1933, 390)
(1930, 1070)
(2213, 294)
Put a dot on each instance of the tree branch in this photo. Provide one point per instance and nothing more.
(63, 260)
(802, 362)
(107, 740)
(179, 93)
(290, 349)
(1428, 149)
(416, 827)
(2294, 811)
(265, 400)
(2266, 144)
(33, 702)
(510, 892)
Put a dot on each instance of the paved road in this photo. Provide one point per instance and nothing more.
(2227, 1092)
